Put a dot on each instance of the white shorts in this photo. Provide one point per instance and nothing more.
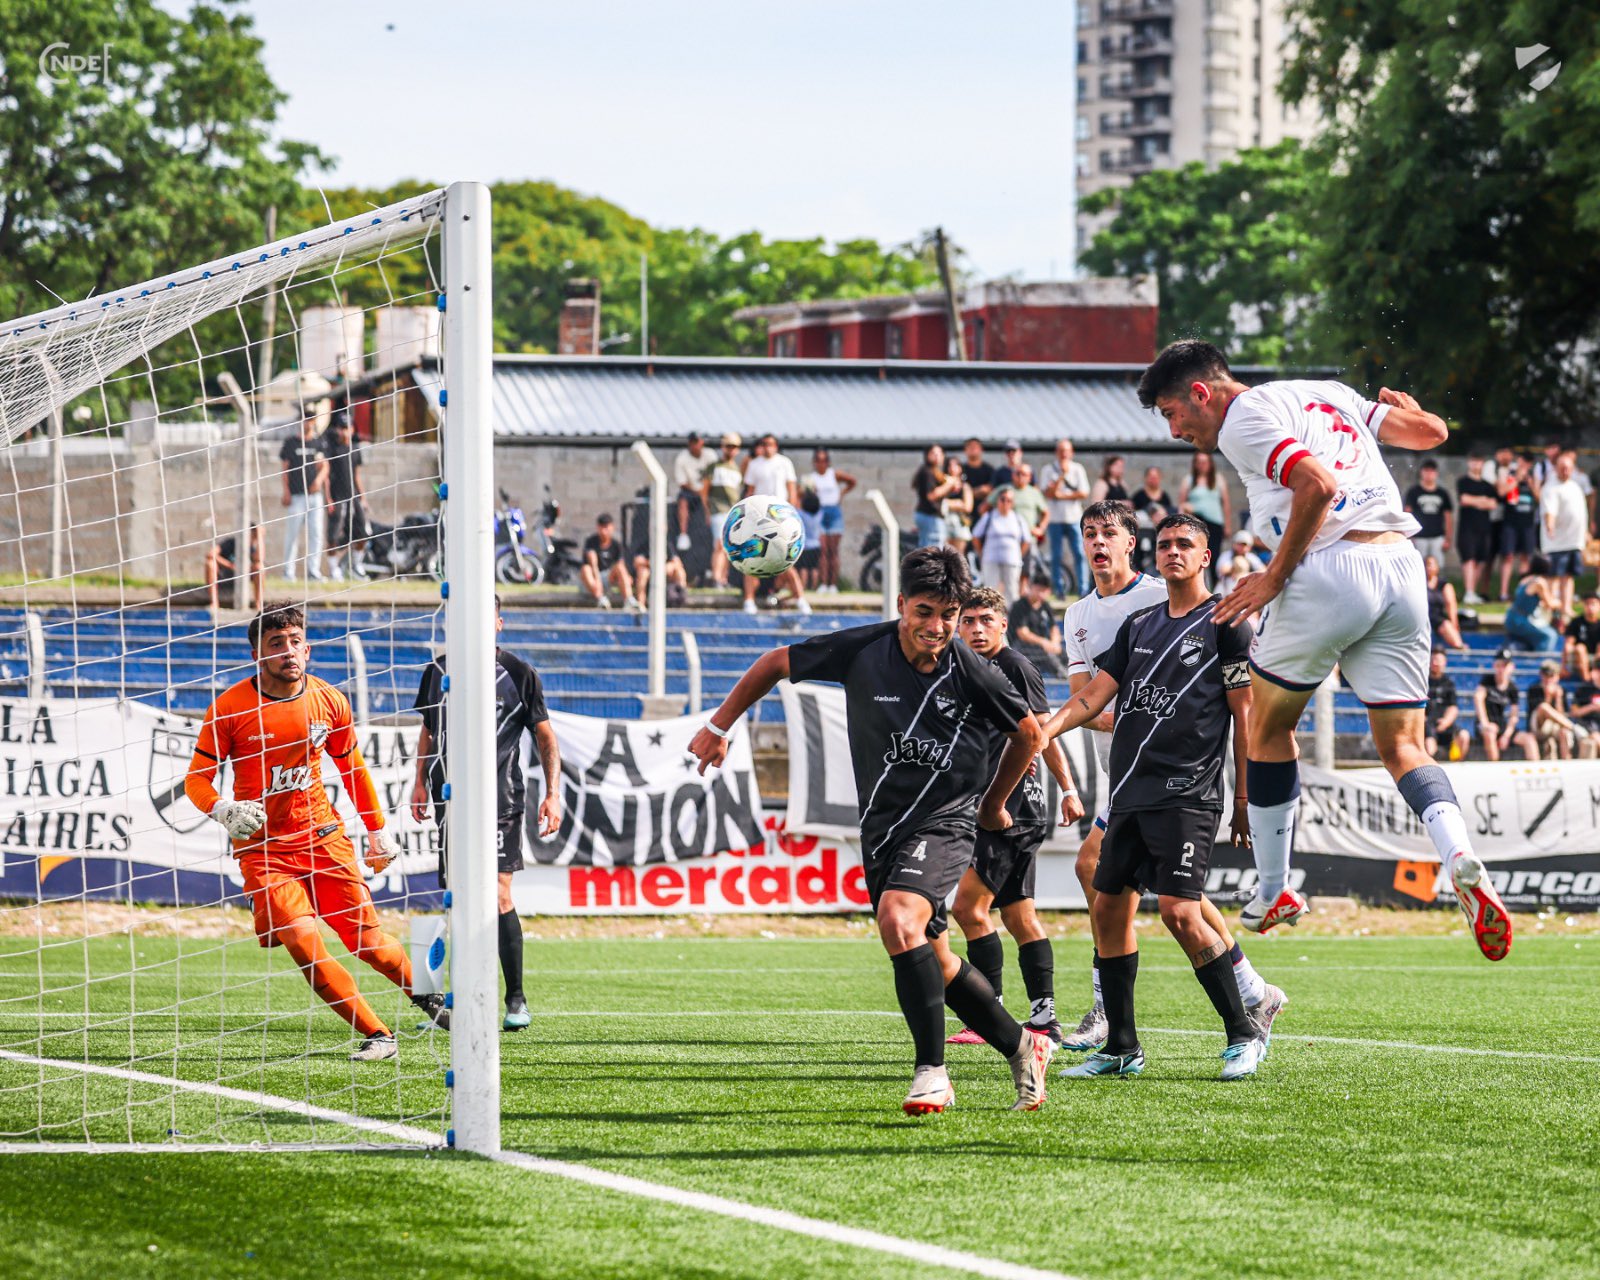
(1360, 605)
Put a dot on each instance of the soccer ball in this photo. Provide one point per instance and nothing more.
(762, 536)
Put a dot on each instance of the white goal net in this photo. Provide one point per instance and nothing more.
(263, 429)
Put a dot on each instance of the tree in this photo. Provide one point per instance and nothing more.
(159, 159)
(1230, 249)
(1459, 218)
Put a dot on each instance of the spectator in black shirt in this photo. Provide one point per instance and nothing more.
(1032, 626)
(1553, 733)
(1443, 729)
(1519, 524)
(1006, 473)
(922, 711)
(1477, 500)
(305, 481)
(1151, 504)
(347, 496)
(222, 561)
(1109, 487)
(1583, 707)
(1498, 713)
(978, 473)
(1434, 511)
(932, 485)
(1583, 639)
(603, 562)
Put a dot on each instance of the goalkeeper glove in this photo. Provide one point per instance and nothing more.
(380, 850)
(241, 819)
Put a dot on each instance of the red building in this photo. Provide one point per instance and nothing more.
(1065, 322)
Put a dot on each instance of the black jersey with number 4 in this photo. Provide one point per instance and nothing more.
(1026, 804)
(518, 706)
(1173, 676)
(919, 742)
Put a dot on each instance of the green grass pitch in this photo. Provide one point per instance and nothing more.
(766, 1071)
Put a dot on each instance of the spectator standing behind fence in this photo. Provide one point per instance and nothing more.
(1530, 614)
(1006, 473)
(1066, 487)
(305, 479)
(809, 565)
(932, 485)
(1109, 487)
(688, 473)
(721, 486)
(957, 507)
(770, 474)
(1433, 510)
(830, 486)
(1035, 512)
(1519, 519)
(347, 497)
(1204, 495)
(1476, 501)
(979, 473)
(1000, 537)
(1563, 529)
(1151, 505)
(603, 563)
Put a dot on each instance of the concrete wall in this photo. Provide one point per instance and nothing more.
(152, 514)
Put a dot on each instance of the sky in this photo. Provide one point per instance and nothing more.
(877, 118)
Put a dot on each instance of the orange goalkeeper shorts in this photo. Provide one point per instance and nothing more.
(323, 883)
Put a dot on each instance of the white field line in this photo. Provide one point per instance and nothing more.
(187, 1148)
(657, 1015)
(931, 1255)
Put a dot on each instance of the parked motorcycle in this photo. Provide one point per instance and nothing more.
(872, 555)
(559, 556)
(407, 550)
(514, 561)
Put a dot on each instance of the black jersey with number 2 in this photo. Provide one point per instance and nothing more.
(919, 742)
(1173, 676)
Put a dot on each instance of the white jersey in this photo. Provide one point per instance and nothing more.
(1270, 428)
(1090, 625)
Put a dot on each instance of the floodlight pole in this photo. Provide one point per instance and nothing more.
(469, 692)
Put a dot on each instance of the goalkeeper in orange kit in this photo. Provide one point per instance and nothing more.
(298, 864)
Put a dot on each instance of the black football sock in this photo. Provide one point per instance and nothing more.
(1117, 975)
(1216, 976)
(971, 999)
(920, 987)
(988, 957)
(1037, 960)
(511, 952)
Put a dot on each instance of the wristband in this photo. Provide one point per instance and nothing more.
(1070, 791)
(721, 733)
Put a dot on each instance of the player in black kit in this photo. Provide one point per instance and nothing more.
(1180, 682)
(921, 707)
(1004, 863)
(518, 708)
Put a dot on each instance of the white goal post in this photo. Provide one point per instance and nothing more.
(170, 441)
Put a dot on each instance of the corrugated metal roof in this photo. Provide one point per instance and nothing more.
(804, 402)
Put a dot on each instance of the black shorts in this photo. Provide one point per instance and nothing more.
(929, 863)
(1476, 545)
(507, 843)
(1518, 539)
(1565, 564)
(347, 523)
(1008, 862)
(1165, 851)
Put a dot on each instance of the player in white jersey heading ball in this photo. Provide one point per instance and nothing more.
(1090, 626)
(1344, 587)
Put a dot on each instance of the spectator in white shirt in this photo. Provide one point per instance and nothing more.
(1066, 484)
(770, 474)
(1563, 527)
(999, 538)
(688, 470)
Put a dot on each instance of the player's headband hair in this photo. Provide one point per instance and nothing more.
(984, 598)
(940, 572)
(275, 617)
(1181, 520)
(1178, 366)
(1113, 511)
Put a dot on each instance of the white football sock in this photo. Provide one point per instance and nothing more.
(1252, 990)
(1447, 828)
(1271, 837)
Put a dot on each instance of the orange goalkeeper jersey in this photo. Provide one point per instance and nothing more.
(276, 746)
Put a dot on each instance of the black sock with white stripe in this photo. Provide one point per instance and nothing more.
(1037, 961)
